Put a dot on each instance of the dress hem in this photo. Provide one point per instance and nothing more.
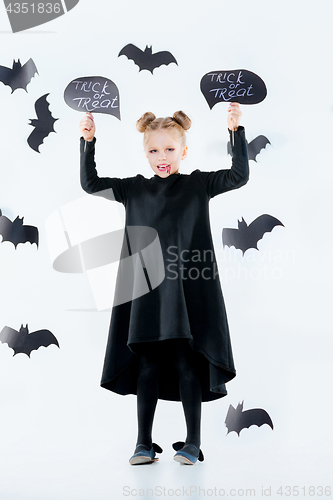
(214, 395)
(215, 392)
(193, 346)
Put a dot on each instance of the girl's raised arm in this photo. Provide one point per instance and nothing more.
(224, 180)
(90, 181)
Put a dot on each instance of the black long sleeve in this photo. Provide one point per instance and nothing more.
(90, 181)
(220, 181)
(214, 182)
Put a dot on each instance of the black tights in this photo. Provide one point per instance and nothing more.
(185, 362)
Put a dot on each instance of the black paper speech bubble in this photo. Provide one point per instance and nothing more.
(93, 94)
(238, 85)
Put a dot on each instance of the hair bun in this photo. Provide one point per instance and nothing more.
(144, 121)
(183, 120)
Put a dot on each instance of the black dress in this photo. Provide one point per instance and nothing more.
(188, 303)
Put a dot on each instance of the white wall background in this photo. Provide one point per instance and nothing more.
(61, 435)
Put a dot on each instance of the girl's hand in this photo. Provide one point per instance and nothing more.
(87, 127)
(234, 115)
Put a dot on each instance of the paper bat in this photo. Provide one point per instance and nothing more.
(43, 125)
(18, 77)
(146, 59)
(16, 232)
(237, 419)
(245, 236)
(25, 342)
(254, 147)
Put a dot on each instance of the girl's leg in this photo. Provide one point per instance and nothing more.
(147, 395)
(187, 362)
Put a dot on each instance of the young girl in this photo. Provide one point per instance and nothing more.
(173, 342)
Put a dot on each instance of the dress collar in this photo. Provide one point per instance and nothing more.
(165, 178)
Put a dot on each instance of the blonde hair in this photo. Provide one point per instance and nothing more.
(178, 123)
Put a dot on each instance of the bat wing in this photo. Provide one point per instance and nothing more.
(44, 114)
(6, 76)
(28, 71)
(6, 228)
(30, 234)
(237, 419)
(135, 54)
(261, 225)
(40, 338)
(156, 60)
(254, 147)
(36, 138)
(256, 416)
(234, 237)
(10, 336)
(43, 125)
(16, 232)
(23, 234)
(232, 420)
(19, 76)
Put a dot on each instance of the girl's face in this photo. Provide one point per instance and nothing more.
(164, 153)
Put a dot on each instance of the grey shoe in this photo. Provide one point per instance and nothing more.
(144, 455)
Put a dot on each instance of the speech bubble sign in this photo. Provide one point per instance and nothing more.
(237, 85)
(93, 94)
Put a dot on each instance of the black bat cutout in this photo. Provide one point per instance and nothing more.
(18, 77)
(245, 236)
(16, 232)
(254, 147)
(237, 419)
(43, 125)
(25, 342)
(145, 59)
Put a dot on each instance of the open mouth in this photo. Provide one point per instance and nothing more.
(164, 168)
